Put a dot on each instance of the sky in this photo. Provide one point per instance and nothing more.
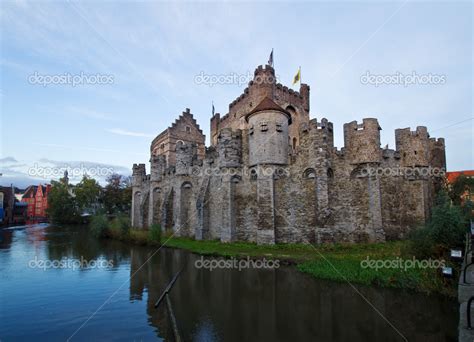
(128, 69)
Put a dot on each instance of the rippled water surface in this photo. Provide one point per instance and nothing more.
(112, 299)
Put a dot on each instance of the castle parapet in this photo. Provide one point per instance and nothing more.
(320, 134)
(362, 141)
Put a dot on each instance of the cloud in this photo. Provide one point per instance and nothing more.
(44, 170)
(120, 131)
(8, 160)
(93, 114)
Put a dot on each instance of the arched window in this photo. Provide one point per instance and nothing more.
(294, 143)
(359, 172)
(186, 185)
(330, 173)
(290, 109)
(179, 144)
(309, 173)
(235, 179)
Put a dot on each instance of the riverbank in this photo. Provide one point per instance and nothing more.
(387, 264)
(392, 265)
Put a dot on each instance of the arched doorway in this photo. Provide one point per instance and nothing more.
(156, 206)
(168, 212)
(137, 201)
(185, 207)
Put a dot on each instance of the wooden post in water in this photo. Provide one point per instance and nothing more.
(165, 295)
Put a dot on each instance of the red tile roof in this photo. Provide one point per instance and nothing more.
(453, 175)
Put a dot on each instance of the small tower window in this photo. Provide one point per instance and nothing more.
(263, 126)
(162, 146)
(253, 174)
(251, 130)
(279, 127)
(188, 129)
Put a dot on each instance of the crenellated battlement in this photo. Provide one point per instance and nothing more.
(317, 134)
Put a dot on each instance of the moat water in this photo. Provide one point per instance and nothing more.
(113, 298)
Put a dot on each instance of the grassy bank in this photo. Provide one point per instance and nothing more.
(337, 262)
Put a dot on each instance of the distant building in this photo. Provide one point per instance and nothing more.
(452, 176)
(37, 199)
(7, 202)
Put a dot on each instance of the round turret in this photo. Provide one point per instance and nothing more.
(268, 134)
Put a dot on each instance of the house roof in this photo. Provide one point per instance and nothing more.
(33, 189)
(187, 114)
(453, 175)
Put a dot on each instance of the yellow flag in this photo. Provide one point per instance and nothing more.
(297, 77)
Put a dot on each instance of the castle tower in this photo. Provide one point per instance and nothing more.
(268, 134)
(413, 146)
(362, 141)
(185, 154)
(229, 147)
(437, 153)
(138, 184)
(138, 175)
(157, 167)
(263, 83)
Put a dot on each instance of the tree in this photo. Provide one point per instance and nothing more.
(117, 194)
(446, 229)
(87, 193)
(61, 204)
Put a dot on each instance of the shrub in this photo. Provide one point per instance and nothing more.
(99, 225)
(446, 229)
(421, 243)
(154, 233)
(121, 224)
(139, 236)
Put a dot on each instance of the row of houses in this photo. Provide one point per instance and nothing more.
(20, 206)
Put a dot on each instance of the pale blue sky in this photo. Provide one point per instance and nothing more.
(154, 50)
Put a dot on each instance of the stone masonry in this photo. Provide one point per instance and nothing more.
(273, 175)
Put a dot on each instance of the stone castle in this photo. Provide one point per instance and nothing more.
(273, 175)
